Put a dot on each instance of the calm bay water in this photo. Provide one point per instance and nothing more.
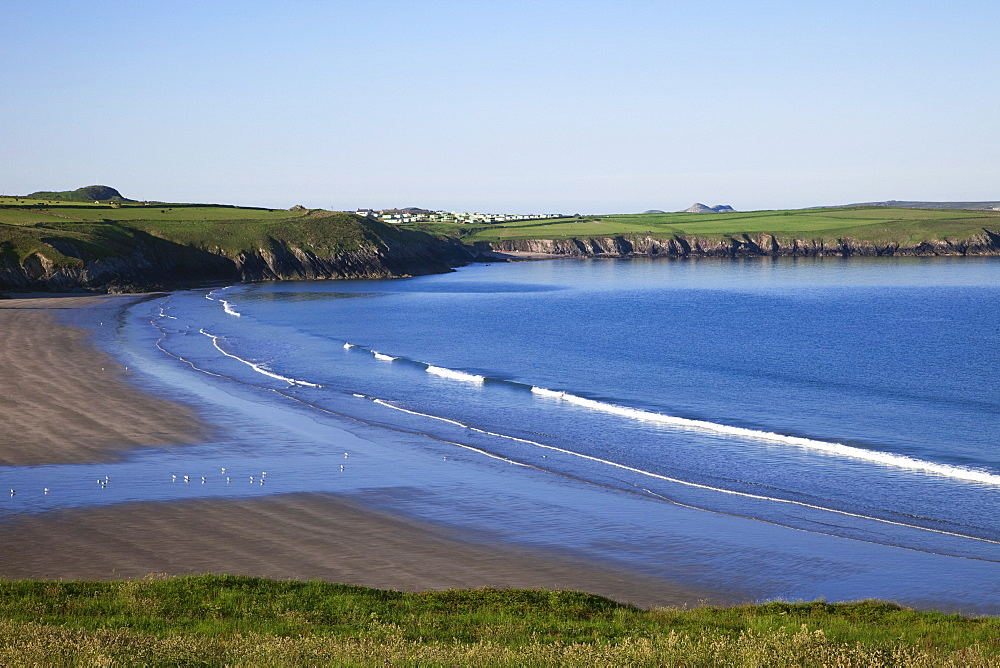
(780, 428)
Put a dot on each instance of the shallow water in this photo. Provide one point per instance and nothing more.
(781, 429)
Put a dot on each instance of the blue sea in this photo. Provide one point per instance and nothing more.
(769, 428)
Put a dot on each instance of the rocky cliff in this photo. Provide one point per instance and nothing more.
(745, 245)
(130, 260)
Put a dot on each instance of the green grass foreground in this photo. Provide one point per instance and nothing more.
(243, 621)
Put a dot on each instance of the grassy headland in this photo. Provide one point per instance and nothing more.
(60, 244)
(864, 224)
(233, 620)
(59, 241)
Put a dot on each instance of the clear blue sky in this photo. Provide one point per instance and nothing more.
(569, 106)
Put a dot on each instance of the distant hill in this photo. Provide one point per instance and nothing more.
(86, 194)
(698, 207)
(905, 204)
(645, 213)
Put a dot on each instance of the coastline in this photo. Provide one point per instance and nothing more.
(69, 403)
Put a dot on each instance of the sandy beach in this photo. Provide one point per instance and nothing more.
(66, 402)
(297, 536)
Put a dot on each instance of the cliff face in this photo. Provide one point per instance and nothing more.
(155, 263)
(391, 259)
(745, 245)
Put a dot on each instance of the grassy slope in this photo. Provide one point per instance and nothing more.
(102, 230)
(214, 620)
(877, 224)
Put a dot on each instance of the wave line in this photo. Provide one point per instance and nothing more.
(451, 374)
(884, 458)
(678, 481)
(256, 367)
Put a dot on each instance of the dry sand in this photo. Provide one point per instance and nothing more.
(64, 402)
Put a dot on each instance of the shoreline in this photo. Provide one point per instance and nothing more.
(304, 536)
(70, 403)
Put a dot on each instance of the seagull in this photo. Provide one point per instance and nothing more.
(227, 479)
(342, 467)
(12, 492)
(223, 469)
(203, 480)
(46, 490)
(345, 455)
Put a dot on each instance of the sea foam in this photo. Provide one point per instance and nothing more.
(259, 368)
(884, 458)
(226, 306)
(659, 476)
(451, 374)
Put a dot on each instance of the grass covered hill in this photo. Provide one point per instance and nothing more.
(62, 244)
(242, 621)
(91, 238)
(760, 232)
(85, 194)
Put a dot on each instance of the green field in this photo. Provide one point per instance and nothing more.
(70, 234)
(906, 226)
(102, 230)
(232, 620)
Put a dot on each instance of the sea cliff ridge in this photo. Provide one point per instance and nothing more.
(64, 241)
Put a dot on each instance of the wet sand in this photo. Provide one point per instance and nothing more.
(62, 401)
(299, 536)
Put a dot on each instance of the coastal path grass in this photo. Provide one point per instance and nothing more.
(243, 621)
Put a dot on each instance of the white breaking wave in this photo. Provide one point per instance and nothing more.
(384, 358)
(259, 368)
(658, 476)
(226, 306)
(454, 375)
(884, 458)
